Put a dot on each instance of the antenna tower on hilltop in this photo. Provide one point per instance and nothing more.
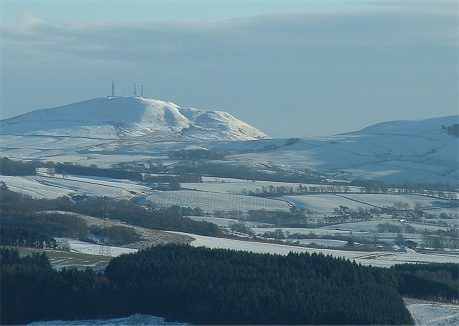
(113, 88)
(135, 90)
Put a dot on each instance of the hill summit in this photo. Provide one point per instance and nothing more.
(131, 117)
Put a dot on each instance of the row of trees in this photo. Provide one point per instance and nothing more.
(93, 170)
(196, 154)
(273, 191)
(217, 169)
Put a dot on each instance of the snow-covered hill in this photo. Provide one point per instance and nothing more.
(130, 117)
(106, 131)
(394, 151)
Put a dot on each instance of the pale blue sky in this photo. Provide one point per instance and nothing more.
(290, 68)
(166, 10)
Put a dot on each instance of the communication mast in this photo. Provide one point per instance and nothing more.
(113, 88)
(135, 90)
(141, 90)
(104, 248)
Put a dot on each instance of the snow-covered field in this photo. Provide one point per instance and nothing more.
(433, 313)
(226, 221)
(371, 226)
(325, 203)
(95, 249)
(136, 319)
(53, 187)
(30, 186)
(322, 203)
(238, 186)
(379, 259)
(388, 200)
(210, 201)
(315, 231)
(323, 242)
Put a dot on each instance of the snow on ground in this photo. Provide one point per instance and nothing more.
(315, 231)
(379, 259)
(404, 156)
(325, 203)
(388, 200)
(124, 117)
(342, 232)
(30, 186)
(433, 313)
(237, 186)
(226, 221)
(209, 201)
(95, 249)
(322, 203)
(372, 226)
(398, 155)
(136, 319)
(57, 186)
(323, 242)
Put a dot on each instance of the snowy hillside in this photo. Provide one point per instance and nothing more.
(396, 151)
(106, 131)
(130, 117)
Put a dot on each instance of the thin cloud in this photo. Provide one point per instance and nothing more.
(298, 32)
(377, 64)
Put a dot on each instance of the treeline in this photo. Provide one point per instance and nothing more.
(274, 191)
(40, 215)
(245, 172)
(12, 167)
(22, 237)
(204, 286)
(298, 218)
(98, 172)
(452, 130)
(279, 218)
(196, 154)
(439, 282)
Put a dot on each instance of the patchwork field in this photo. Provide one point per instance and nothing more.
(325, 203)
(210, 202)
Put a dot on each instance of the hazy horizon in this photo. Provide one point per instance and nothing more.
(291, 69)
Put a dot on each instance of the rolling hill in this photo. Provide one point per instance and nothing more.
(130, 117)
(110, 130)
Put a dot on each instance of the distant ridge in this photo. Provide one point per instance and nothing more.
(131, 117)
